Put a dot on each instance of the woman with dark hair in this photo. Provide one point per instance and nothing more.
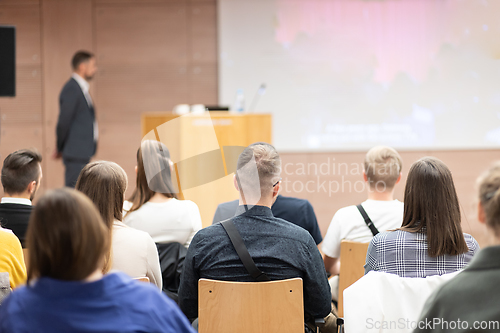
(155, 207)
(67, 291)
(132, 251)
(430, 240)
(471, 298)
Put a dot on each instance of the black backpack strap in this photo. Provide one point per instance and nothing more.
(368, 221)
(242, 251)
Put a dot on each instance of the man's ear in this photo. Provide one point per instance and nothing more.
(399, 177)
(276, 189)
(135, 170)
(31, 187)
(365, 177)
(480, 213)
(235, 182)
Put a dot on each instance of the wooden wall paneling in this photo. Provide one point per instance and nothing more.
(142, 55)
(21, 116)
(118, 142)
(203, 84)
(137, 2)
(26, 19)
(19, 2)
(127, 91)
(465, 166)
(203, 75)
(26, 105)
(66, 28)
(212, 2)
(17, 136)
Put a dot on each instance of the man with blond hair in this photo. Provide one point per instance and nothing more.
(279, 249)
(381, 212)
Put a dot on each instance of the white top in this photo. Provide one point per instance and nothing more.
(85, 86)
(167, 222)
(20, 201)
(135, 253)
(348, 224)
(384, 302)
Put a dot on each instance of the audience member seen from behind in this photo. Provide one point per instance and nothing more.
(11, 258)
(155, 208)
(471, 298)
(430, 240)
(382, 172)
(21, 177)
(280, 249)
(132, 251)
(295, 210)
(67, 292)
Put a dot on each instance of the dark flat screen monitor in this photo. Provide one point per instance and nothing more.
(7, 61)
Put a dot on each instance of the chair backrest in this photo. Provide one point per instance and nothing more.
(250, 307)
(383, 302)
(352, 260)
(142, 279)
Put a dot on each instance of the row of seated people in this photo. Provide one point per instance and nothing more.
(283, 250)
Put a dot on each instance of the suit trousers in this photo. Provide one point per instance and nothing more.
(73, 169)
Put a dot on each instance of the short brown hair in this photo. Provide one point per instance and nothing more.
(67, 238)
(105, 184)
(258, 168)
(19, 169)
(153, 161)
(80, 57)
(489, 197)
(431, 206)
(383, 165)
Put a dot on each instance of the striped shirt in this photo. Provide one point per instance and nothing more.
(406, 254)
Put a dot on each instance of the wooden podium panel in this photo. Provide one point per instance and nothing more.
(196, 143)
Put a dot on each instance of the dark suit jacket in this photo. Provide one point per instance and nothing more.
(16, 217)
(297, 211)
(75, 127)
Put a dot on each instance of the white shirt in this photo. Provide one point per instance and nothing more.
(135, 253)
(85, 86)
(166, 222)
(380, 299)
(20, 201)
(348, 224)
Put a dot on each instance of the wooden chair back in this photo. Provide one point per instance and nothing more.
(142, 279)
(250, 307)
(352, 260)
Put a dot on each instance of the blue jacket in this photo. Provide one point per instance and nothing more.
(113, 304)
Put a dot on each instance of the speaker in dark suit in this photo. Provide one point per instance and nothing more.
(76, 126)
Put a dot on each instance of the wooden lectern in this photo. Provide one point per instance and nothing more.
(205, 149)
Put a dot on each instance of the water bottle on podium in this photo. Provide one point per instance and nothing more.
(239, 104)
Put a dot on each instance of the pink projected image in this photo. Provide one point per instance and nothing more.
(353, 73)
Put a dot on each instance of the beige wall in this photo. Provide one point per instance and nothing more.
(153, 54)
(343, 170)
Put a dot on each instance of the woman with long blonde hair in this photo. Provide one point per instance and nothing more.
(155, 207)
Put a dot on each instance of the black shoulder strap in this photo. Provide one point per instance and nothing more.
(368, 222)
(242, 251)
